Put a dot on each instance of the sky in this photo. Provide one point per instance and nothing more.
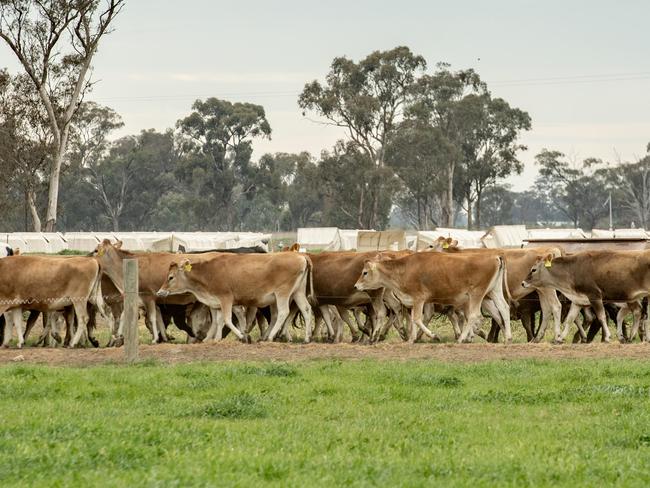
(581, 69)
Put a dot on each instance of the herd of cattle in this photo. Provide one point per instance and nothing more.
(211, 294)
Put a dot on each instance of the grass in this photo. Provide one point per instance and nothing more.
(327, 423)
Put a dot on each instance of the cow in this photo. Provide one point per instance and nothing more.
(459, 281)
(590, 278)
(518, 264)
(49, 284)
(335, 274)
(251, 280)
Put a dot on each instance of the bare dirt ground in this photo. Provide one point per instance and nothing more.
(233, 351)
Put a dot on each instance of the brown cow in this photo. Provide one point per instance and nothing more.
(591, 277)
(518, 264)
(335, 274)
(254, 280)
(49, 284)
(460, 281)
(152, 273)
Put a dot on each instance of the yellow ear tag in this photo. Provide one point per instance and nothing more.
(187, 267)
(547, 263)
(100, 253)
(445, 245)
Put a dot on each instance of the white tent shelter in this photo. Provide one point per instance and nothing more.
(81, 241)
(557, 234)
(619, 234)
(317, 237)
(372, 240)
(505, 236)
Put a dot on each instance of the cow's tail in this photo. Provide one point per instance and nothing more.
(503, 282)
(96, 295)
(311, 296)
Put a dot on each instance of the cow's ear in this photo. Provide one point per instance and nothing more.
(548, 260)
(446, 243)
(454, 243)
(118, 245)
(186, 265)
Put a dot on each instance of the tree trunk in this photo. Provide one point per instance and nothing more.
(31, 203)
(478, 209)
(53, 191)
(360, 208)
(448, 213)
(116, 223)
(469, 214)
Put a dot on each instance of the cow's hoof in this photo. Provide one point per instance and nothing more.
(436, 339)
(607, 340)
(247, 339)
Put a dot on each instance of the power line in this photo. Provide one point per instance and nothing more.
(547, 81)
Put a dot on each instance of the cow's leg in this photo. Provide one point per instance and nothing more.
(9, 325)
(282, 303)
(215, 332)
(160, 324)
(151, 311)
(416, 317)
(568, 321)
(17, 318)
(344, 313)
(305, 310)
(637, 316)
(226, 310)
(472, 314)
(622, 313)
(251, 314)
(455, 319)
(81, 314)
(31, 321)
(47, 329)
(601, 315)
(240, 313)
(551, 306)
(591, 323)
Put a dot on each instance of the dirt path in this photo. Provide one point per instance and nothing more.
(229, 351)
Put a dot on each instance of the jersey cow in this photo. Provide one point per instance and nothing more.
(49, 284)
(591, 278)
(459, 281)
(221, 280)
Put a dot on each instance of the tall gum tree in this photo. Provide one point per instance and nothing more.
(367, 99)
(55, 42)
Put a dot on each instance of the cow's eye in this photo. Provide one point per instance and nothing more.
(365, 273)
(170, 278)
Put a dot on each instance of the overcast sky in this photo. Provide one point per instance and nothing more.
(580, 68)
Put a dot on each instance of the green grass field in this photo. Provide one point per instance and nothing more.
(327, 423)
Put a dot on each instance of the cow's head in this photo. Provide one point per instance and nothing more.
(177, 279)
(443, 244)
(539, 272)
(295, 247)
(370, 278)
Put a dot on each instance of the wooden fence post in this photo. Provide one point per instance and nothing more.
(130, 269)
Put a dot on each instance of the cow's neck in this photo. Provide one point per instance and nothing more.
(392, 272)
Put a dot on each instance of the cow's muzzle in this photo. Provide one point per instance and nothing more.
(162, 293)
(525, 284)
